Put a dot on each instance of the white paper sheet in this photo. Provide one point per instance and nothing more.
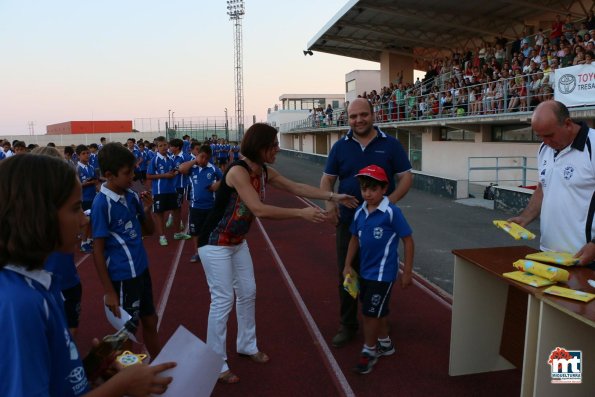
(198, 366)
(116, 322)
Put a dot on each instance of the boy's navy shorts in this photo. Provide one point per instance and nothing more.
(136, 295)
(180, 196)
(375, 296)
(72, 305)
(164, 202)
(196, 220)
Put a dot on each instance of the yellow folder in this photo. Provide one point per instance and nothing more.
(515, 230)
(550, 272)
(558, 258)
(351, 284)
(570, 293)
(528, 278)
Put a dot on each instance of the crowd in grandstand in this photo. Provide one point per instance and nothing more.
(497, 77)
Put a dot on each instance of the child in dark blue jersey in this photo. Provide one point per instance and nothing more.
(39, 356)
(88, 178)
(181, 183)
(119, 218)
(376, 229)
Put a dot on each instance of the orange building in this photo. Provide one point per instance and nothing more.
(89, 127)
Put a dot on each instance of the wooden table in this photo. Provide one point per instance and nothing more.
(482, 317)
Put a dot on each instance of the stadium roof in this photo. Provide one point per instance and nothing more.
(363, 29)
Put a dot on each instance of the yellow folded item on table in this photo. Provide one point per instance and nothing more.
(528, 278)
(570, 293)
(351, 284)
(550, 272)
(558, 258)
(515, 230)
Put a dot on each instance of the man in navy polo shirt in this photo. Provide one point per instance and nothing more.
(565, 195)
(364, 144)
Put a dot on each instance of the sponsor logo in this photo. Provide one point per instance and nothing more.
(378, 232)
(566, 365)
(568, 171)
(567, 83)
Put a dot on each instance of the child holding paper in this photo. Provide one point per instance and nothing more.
(376, 229)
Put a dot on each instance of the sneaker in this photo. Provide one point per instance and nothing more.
(384, 350)
(365, 363)
(194, 258)
(181, 236)
(170, 221)
(162, 241)
(87, 247)
(182, 226)
(343, 337)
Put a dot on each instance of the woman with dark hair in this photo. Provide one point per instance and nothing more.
(223, 249)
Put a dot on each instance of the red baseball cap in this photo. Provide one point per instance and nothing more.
(375, 172)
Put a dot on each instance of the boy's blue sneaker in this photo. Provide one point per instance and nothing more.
(365, 364)
(87, 247)
(384, 350)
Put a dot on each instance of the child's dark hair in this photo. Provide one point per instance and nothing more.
(81, 148)
(68, 150)
(206, 149)
(160, 139)
(177, 143)
(93, 146)
(113, 157)
(368, 182)
(32, 190)
(19, 144)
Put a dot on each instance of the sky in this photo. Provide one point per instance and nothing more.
(68, 60)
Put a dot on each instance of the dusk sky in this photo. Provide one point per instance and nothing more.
(128, 59)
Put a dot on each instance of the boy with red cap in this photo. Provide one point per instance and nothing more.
(376, 229)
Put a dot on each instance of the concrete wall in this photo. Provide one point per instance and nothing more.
(391, 66)
(365, 80)
(276, 119)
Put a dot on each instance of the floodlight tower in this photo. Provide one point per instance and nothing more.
(235, 10)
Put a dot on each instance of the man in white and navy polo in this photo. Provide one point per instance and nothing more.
(565, 195)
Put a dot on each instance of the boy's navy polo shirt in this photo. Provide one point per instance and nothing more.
(117, 219)
(144, 155)
(379, 233)
(86, 172)
(40, 357)
(201, 178)
(137, 155)
(63, 269)
(347, 157)
(93, 162)
(181, 180)
(186, 147)
(2, 155)
(161, 165)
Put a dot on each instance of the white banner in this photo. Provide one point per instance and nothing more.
(575, 85)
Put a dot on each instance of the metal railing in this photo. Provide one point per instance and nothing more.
(516, 168)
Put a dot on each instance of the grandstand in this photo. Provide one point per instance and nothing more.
(488, 65)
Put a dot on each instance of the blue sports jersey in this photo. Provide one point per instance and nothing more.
(117, 219)
(347, 157)
(93, 162)
(161, 165)
(186, 147)
(144, 156)
(63, 269)
(201, 178)
(138, 156)
(86, 173)
(379, 233)
(39, 356)
(236, 152)
(181, 180)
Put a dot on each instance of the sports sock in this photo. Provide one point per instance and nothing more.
(370, 350)
(385, 342)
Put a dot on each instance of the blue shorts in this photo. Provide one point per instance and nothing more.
(136, 295)
(375, 296)
(196, 219)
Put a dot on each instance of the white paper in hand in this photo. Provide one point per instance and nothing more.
(116, 322)
(198, 366)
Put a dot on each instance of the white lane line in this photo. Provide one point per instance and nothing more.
(82, 260)
(341, 381)
(168, 283)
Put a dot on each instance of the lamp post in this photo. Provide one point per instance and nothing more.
(168, 121)
(173, 120)
(235, 10)
(226, 127)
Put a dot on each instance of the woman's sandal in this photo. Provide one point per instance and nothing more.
(228, 377)
(259, 357)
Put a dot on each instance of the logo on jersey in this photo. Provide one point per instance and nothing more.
(568, 172)
(378, 233)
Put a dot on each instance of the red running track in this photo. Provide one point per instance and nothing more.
(297, 314)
